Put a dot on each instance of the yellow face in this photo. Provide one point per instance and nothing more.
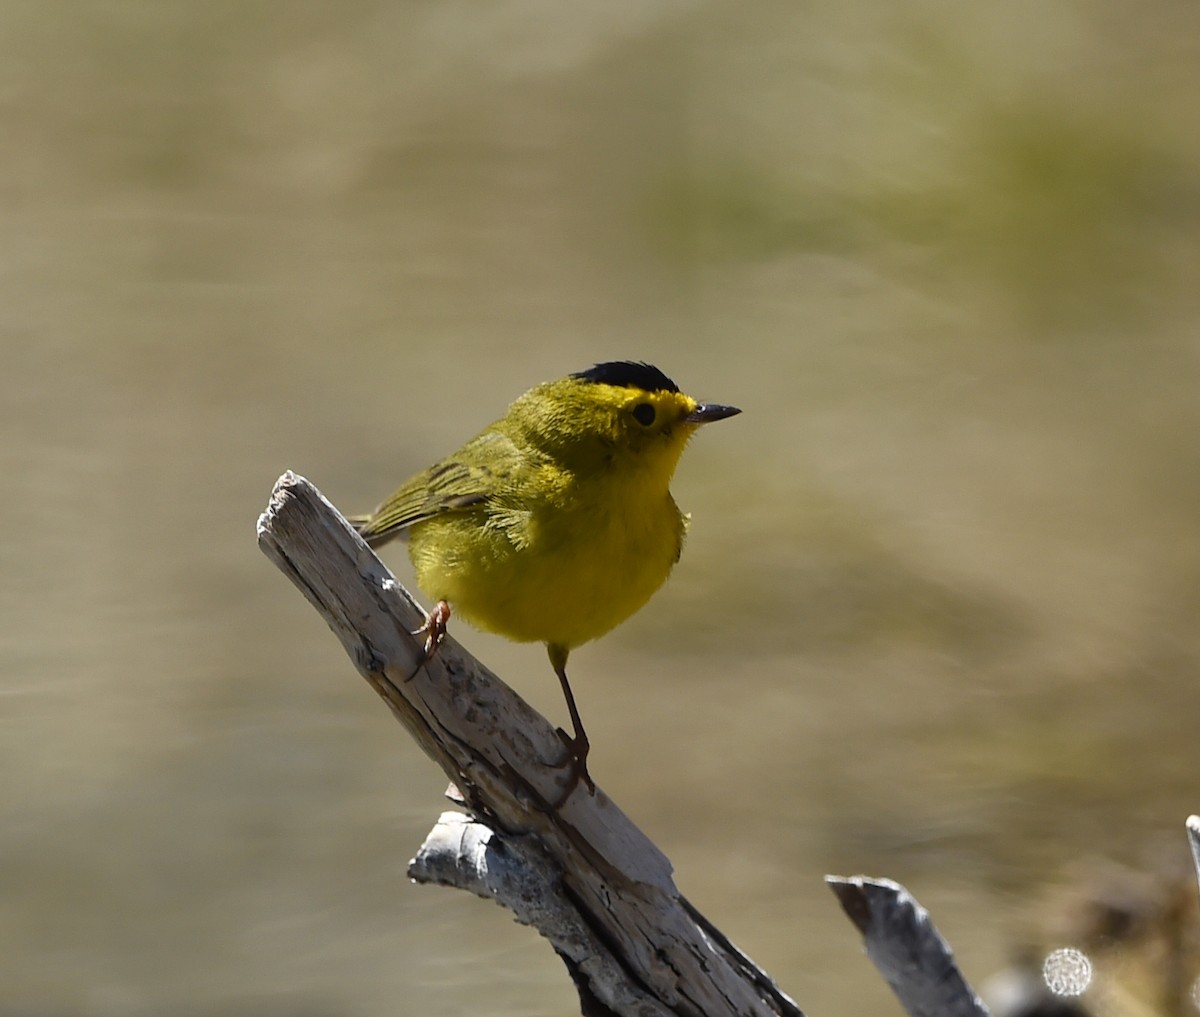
(638, 419)
(617, 412)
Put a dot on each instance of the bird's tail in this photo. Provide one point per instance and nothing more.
(362, 525)
(369, 528)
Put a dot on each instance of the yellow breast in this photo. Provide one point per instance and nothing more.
(562, 570)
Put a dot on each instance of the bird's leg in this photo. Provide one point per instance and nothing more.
(434, 629)
(579, 746)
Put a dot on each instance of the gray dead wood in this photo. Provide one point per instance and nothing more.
(906, 948)
(588, 879)
(1193, 832)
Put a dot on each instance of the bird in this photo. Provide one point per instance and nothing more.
(556, 522)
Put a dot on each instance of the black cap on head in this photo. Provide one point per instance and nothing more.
(628, 374)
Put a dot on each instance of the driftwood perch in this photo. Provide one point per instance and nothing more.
(906, 949)
(582, 874)
(588, 879)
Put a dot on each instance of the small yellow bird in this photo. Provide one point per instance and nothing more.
(556, 523)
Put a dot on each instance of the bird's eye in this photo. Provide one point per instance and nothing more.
(643, 413)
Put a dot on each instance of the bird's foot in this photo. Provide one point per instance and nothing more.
(434, 629)
(578, 748)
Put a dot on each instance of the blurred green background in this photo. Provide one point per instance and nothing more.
(937, 618)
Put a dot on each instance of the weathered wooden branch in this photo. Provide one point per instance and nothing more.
(906, 948)
(1193, 832)
(581, 874)
(588, 879)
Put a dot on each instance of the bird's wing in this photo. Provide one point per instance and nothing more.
(460, 482)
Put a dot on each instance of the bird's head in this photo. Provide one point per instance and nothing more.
(621, 413)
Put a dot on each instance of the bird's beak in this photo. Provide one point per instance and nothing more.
(705, 413)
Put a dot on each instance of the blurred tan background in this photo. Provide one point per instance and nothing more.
(937, 618)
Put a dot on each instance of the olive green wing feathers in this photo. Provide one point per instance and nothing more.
(459, 483)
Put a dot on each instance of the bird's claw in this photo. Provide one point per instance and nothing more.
(434, 630)
(578, 749)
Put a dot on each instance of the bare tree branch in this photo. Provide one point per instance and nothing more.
(588, 879)
(1193, 832)
(906, 948)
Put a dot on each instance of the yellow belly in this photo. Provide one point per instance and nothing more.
(555, 577)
